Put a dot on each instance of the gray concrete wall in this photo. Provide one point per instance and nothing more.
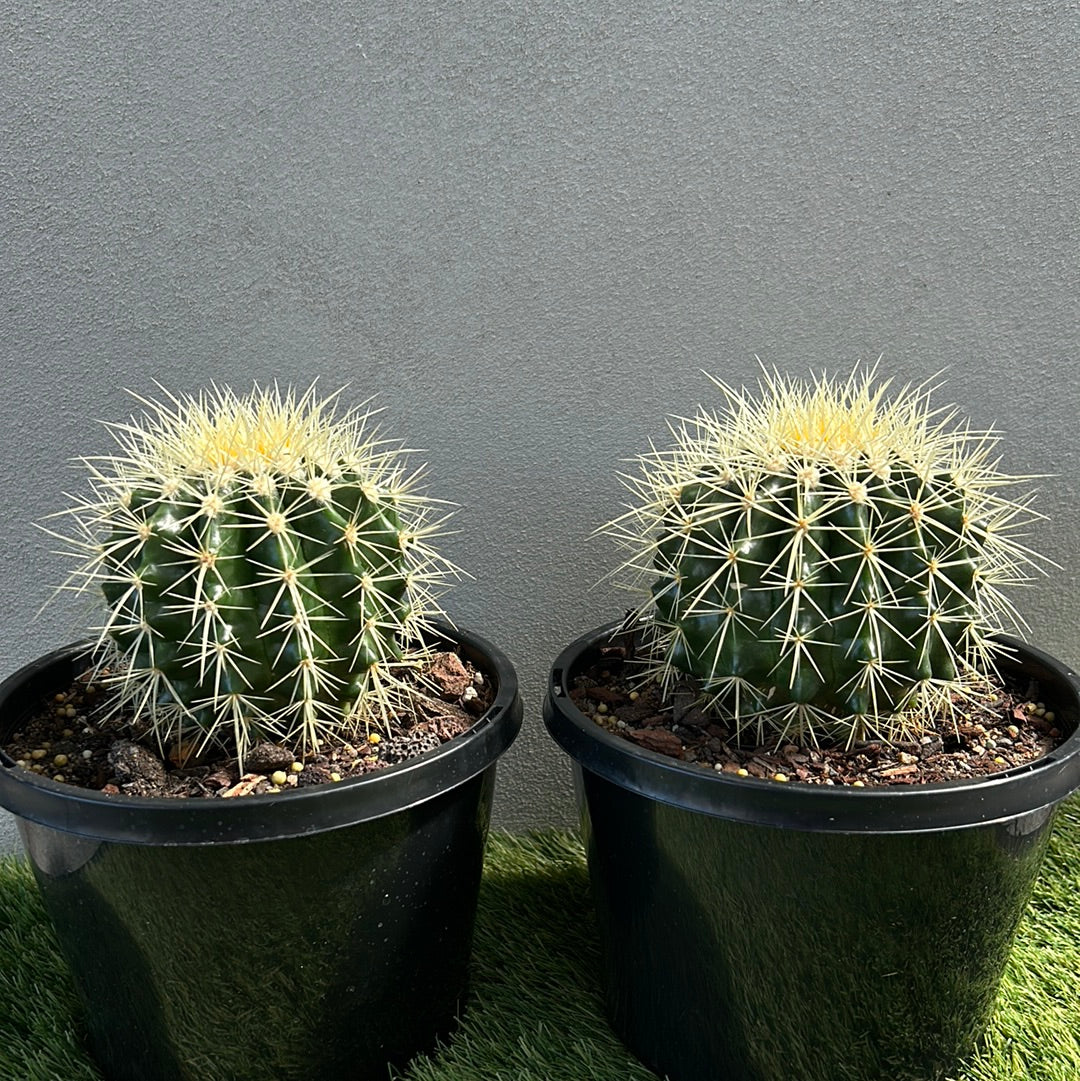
(527, 227)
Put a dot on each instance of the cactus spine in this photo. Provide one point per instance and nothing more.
(827, 562)
(265, 567)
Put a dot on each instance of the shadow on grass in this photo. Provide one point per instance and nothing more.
(41, 1030)
(536, 1011)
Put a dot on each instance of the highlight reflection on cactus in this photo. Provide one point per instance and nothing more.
(265, 565)
(827, 560)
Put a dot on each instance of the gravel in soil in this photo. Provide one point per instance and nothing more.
(76, 737)
(1011, 728)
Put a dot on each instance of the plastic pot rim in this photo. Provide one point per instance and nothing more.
(126, 819)
(941, 805)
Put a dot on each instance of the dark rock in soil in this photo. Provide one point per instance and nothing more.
(136, 767)
(267, 757)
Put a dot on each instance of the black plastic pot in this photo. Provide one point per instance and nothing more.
(758, 931)
(321, 933)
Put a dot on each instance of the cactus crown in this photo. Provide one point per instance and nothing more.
(827, 561)
(265, 567)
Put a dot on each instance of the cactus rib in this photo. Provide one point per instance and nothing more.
(827, 561)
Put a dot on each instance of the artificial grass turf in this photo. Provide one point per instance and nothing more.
(535, 1012)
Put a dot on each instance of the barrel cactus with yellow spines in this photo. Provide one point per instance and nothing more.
(827, 560)
(265, 567)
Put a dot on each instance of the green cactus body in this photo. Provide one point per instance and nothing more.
(262, 574)
(823, 564)
(803, 598)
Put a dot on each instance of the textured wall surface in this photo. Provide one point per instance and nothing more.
(526, 228)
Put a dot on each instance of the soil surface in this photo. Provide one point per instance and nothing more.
(76, 737)
(1010, 729)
